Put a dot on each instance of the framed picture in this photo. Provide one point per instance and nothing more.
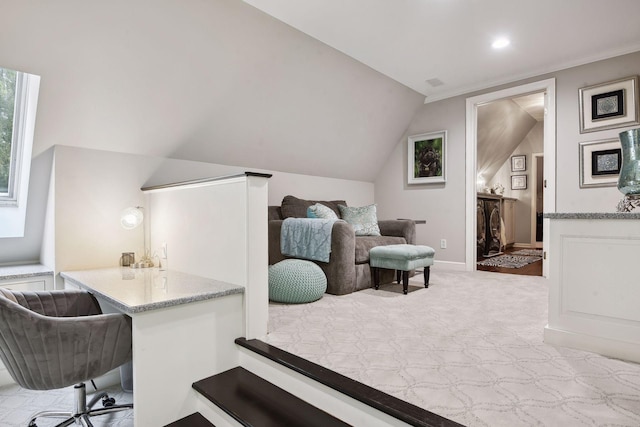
(518, 163)
(600, 163)
(427, 158)
(609, 105)
(518, 182)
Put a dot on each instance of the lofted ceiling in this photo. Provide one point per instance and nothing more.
(442, 48)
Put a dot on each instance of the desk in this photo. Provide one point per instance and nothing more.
(183, 327)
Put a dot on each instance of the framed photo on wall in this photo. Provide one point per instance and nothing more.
(600, 163)
(518, 163)
(518, 182)
(609, 105)
(427, 158)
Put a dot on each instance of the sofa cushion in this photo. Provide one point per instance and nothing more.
(292, 207)
(365, 243)
(364, 219)
(321, 211)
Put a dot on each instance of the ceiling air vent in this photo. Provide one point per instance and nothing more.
(435, 82)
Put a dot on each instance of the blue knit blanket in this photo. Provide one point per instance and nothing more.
(307, 238)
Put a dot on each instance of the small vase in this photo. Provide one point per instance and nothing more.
(629, 179)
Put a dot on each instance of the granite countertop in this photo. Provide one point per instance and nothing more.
(594, 215)
(24, 271)
(137, 290)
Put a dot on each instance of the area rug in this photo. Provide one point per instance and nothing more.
(528, 252)
(509, 261)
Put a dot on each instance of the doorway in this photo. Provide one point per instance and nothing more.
(472, 184)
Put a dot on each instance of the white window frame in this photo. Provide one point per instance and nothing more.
(13, 204)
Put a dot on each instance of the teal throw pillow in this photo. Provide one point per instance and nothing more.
(321, 211)
(364, 220)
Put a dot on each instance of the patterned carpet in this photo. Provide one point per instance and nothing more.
(509, 261)
(18, 405)
(469, 348)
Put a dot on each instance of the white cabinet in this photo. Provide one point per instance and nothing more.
(593, 288)
(509, 218)
(32, 284)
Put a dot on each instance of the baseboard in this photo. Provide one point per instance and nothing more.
(604, 346)
(523, 245)
(451, 265)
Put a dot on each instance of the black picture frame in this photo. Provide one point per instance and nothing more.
(607, 105)
(518, 182)
(606, 162)
(519, 163)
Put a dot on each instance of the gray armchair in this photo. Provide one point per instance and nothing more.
(348, 268)
(55, 339)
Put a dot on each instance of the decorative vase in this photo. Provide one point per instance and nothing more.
(629, 179)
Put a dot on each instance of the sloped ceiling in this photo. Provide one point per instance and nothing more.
(415, 41)
(502, 125)
(215, 81)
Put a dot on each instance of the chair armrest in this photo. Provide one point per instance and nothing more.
(340, 270)
(400, 228)
(61, 303)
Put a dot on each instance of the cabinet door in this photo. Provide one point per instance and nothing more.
(509, 221)
(24, 285)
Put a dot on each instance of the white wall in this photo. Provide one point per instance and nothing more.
(27, 249)
(92, 187)
(443, 206)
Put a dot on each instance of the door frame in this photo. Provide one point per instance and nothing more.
(534, 197)
(547, 86)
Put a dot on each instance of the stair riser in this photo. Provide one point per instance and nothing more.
(213, 413)
(337, 404)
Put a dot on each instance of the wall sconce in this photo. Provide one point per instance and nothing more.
(131, 217)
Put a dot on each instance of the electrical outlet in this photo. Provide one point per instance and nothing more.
(443, 243)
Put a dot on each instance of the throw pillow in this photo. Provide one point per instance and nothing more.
(292, 207)
(364, 220)
(321, 211)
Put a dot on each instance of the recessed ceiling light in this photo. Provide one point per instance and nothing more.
(500, 43)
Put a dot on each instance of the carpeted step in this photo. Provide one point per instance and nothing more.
(404, 411)
(253, 401)
(193, 420)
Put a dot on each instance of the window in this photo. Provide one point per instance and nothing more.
(12, 93)
(18, 99)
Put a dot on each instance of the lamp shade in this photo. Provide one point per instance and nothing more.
(131, 218)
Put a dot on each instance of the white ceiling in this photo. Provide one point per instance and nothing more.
(413, 41)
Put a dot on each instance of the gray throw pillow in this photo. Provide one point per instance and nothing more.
(364, 220)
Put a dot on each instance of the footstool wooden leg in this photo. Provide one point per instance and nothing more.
(405, 282)
(376, 277)
(398, 272)
(426, 277)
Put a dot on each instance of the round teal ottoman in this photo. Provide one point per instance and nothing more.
(295, 281)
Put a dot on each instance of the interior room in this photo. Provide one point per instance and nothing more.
(154, 156)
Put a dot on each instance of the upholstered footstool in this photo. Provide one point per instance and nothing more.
(296, 281)
(401, 258)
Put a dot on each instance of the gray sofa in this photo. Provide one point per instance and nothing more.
(348, 267)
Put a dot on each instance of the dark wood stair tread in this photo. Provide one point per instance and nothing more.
(253, 401)
(193, 420)
(397, 408)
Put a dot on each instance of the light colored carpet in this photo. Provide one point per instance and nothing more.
(469, 348)
(18, 405)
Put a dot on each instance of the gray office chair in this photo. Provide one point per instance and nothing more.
(55, 339)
